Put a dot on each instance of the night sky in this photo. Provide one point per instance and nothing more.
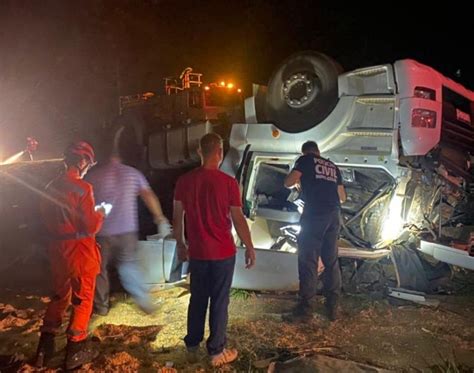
(64, 63)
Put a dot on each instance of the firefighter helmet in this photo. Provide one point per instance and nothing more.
(81, 148)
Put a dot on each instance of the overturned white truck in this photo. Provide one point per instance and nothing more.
(403, 137)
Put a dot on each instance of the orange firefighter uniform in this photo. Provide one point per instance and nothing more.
(72, 222)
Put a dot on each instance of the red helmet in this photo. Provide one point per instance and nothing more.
(81, 148)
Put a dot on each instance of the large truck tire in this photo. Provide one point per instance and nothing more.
(302, 91)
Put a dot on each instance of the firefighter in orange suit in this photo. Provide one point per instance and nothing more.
(69, 214)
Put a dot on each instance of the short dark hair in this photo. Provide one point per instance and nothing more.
(209, 142)
(309, 146)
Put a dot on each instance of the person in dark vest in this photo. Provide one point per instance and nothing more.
(322, 192)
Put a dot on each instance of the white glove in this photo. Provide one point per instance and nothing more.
(164, 228)
(106, 207)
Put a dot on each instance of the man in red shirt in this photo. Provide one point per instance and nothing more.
(210, 201)
(72, 221)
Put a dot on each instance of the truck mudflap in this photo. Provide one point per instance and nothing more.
(447, 254)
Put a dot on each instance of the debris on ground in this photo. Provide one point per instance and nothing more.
(372, 331)
(11, 363)
(117, 362)
(127, 335)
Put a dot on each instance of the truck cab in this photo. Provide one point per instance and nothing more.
(403, 138)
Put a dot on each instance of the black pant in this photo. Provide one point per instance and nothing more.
(210, 279)
(318, 238)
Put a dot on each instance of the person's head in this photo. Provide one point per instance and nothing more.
(310, 147)
(112, 150)
(79, 155)
(211, 148)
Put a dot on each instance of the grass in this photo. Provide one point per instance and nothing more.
(240, 294)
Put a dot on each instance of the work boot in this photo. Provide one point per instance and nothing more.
(301, 313)
(45, 350)
(79, 353)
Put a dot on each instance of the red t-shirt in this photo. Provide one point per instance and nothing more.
(207, 196)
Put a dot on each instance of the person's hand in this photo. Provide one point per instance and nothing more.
(249, 257)
(101, 210)
(182, 251)
(104, 208)
(107, 207)
(164, 229)
(164, 226)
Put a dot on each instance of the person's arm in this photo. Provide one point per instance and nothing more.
(90, 218)
(341, 191)
(243, 232)
(293, 180)
(178, 232)
(153, 204)
(240, 223)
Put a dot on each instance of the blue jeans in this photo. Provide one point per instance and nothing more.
(318, 238)
(210, 280)
(120, 251)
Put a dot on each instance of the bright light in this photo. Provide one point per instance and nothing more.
(13, 158)
(230, 85)
(206, 88)
(288, 248)
(223, 83)
(239, 90)
(393, 223)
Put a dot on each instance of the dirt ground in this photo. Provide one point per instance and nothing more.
(372, 331)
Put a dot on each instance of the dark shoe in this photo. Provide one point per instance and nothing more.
(332, 313)
(79, 353)
(45, 350)
(332, 309)
(301, 313)
(100, 311)
(192, 354)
